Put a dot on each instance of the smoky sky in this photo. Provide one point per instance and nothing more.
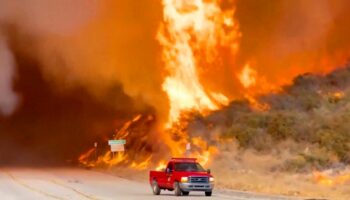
(282, 39)
(73, 71)
(8, 98)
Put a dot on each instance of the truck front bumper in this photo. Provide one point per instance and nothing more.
(186, 187)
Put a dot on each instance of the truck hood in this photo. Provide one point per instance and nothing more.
(195, 174)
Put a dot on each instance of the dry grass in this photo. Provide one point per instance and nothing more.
(252, 171)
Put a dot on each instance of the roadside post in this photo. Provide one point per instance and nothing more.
(96, 155)
(188, 149)
(116, 146)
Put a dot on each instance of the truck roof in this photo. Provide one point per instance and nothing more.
(192, 160)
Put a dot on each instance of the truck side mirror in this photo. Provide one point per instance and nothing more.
(167, 170)
(208, 171)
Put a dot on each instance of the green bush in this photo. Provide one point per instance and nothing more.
(280, 126)
(333, 141)
(306, 162)
(306, 112)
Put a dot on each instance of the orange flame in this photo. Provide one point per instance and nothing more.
(190, 29)
(205, 151)
(248, 76)
(327, 180)
(256, 105)
(84, 158)
(161, 166)
(142, 165)
(110, 159)
(255, 85)
(338, 95)
(189, 26)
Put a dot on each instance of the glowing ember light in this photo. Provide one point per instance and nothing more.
(338, 95)
(220, 98)
(205, 151)
(191, 31)
(247, 76)
(161, 166)
(326, 180)
(250, 80)
(190, 26)
(114, 160)
(142, 165)
(84, 158)
(88, 159)
(123, 133)
(256, 105)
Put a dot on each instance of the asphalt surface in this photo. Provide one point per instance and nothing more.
(70, 184)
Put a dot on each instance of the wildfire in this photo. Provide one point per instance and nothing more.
(204, 151)
(142, 165)
(192, 26)
(191, 32)
(256, 105)
(90, 159)
(84, 158)
(199, 149)
(327, 180)
(254, 86)
(338, 95)
(248, 76)
(161, 166)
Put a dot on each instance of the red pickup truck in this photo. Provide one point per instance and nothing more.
(182, 175)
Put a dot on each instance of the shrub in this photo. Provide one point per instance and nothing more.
(336, 142)
(281, 126)
(318, 159)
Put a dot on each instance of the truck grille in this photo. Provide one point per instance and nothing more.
(198, 179)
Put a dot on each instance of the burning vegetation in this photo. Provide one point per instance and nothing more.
(188, 29)
(248, 75)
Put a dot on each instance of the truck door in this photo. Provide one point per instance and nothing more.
(162, 179)
(169, 175)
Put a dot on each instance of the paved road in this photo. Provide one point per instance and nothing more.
(71, 184)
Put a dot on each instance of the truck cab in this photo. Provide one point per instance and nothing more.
(182, 175)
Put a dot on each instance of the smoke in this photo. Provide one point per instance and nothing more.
(91, 44)
(99, 61)
(95, 44)
(41, 17)
(83, 69)
(8, 98)
(282, 39)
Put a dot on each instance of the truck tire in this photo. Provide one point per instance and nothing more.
(185, 193)
(155, 188)
(208, 194)
(177, 189)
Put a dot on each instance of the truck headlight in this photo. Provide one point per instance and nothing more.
(184, 179)
(211, 179)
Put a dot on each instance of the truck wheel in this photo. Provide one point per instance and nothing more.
(185, 193)
(208, 194)
(155, 188)
(177, 189)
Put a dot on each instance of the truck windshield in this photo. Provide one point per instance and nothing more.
(188, 167)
